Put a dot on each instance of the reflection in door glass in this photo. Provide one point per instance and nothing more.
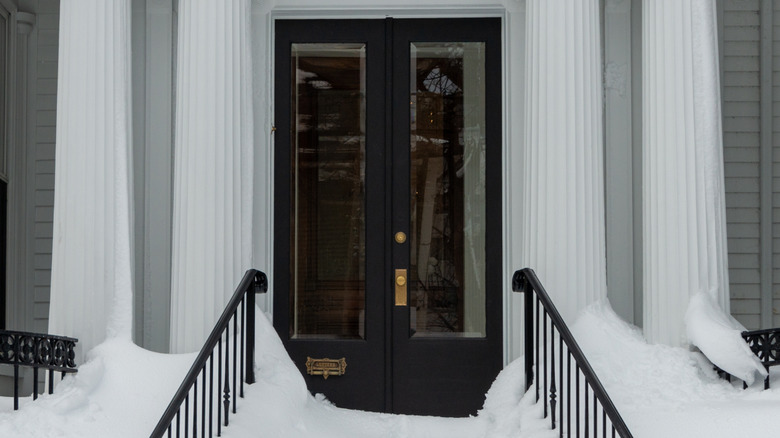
(447, 287)
(327, 241)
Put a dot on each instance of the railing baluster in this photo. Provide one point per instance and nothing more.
(178, 425)
(552, 375)
(219, 387)
(51, 381)
(195, 410)
(211, 394)
(537, 349)
(243, 346)
(186, 416)
(35, 383)
(595, 417)
(587, 418)
(529, 332)
(568, 391)
(16, 386)
(603, 423)
(203, 403)
(544, 357)
(227, 376)
(235, 356)
(577, 399)
(560, 393)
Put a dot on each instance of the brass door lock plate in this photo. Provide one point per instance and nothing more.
(400, 287)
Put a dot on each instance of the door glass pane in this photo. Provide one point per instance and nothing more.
(328, 191)
(447, 269)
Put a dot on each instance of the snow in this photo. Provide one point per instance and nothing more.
(122, 390)
(719, 336)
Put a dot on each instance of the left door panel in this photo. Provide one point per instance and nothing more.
(329, 177)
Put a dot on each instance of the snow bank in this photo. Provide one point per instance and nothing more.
(659, 390)
(280, 406)
(638, 375)
(719, 337)
(121, 391)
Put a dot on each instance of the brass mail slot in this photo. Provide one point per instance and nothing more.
(325, 367)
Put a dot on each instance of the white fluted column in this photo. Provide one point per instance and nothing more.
(563, 182)
(212, 191)
(91, 283)
(684, 214)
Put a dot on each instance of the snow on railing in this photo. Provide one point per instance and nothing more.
(240, 311)
(592, 415)
(765, 344)
(35, 350)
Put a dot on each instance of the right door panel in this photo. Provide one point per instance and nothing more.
(447, 197)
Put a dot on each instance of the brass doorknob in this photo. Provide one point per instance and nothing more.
(400, 280)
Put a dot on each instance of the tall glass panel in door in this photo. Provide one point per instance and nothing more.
(327, 240)
(447, 269)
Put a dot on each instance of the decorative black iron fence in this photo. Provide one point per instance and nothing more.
(766, 345)
(578, 405)
(36, 351)
(240, 310)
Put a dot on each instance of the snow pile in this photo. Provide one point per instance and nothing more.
(659, 390)
(664, 391)
(281, 406)
(121, 391)
(719, 337)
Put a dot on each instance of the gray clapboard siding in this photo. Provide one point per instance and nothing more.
(44, 84)
(741, 140)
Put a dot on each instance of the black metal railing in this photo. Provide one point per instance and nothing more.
(184, 414)
(36, 351)
(573, 397)
(765, 344)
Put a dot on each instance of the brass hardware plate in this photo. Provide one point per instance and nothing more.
(400, 237)
(400, 287)
(326, 367)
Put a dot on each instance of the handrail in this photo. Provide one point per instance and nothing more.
(36, 350)
(526, 281)
(253, 282)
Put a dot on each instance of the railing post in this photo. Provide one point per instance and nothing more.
(520, 284)
(260, 286)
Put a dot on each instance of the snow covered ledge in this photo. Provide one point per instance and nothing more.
(684, 214)
(91, 284)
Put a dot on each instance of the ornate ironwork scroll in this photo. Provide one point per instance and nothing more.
(52, 353)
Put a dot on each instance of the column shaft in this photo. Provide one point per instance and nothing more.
(684, 214)
(563, 176)
(91, 284)
(212, 190)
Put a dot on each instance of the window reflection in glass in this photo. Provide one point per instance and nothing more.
(447, 270)
(327, 241)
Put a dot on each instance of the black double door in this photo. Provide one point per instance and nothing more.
(387, 254)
